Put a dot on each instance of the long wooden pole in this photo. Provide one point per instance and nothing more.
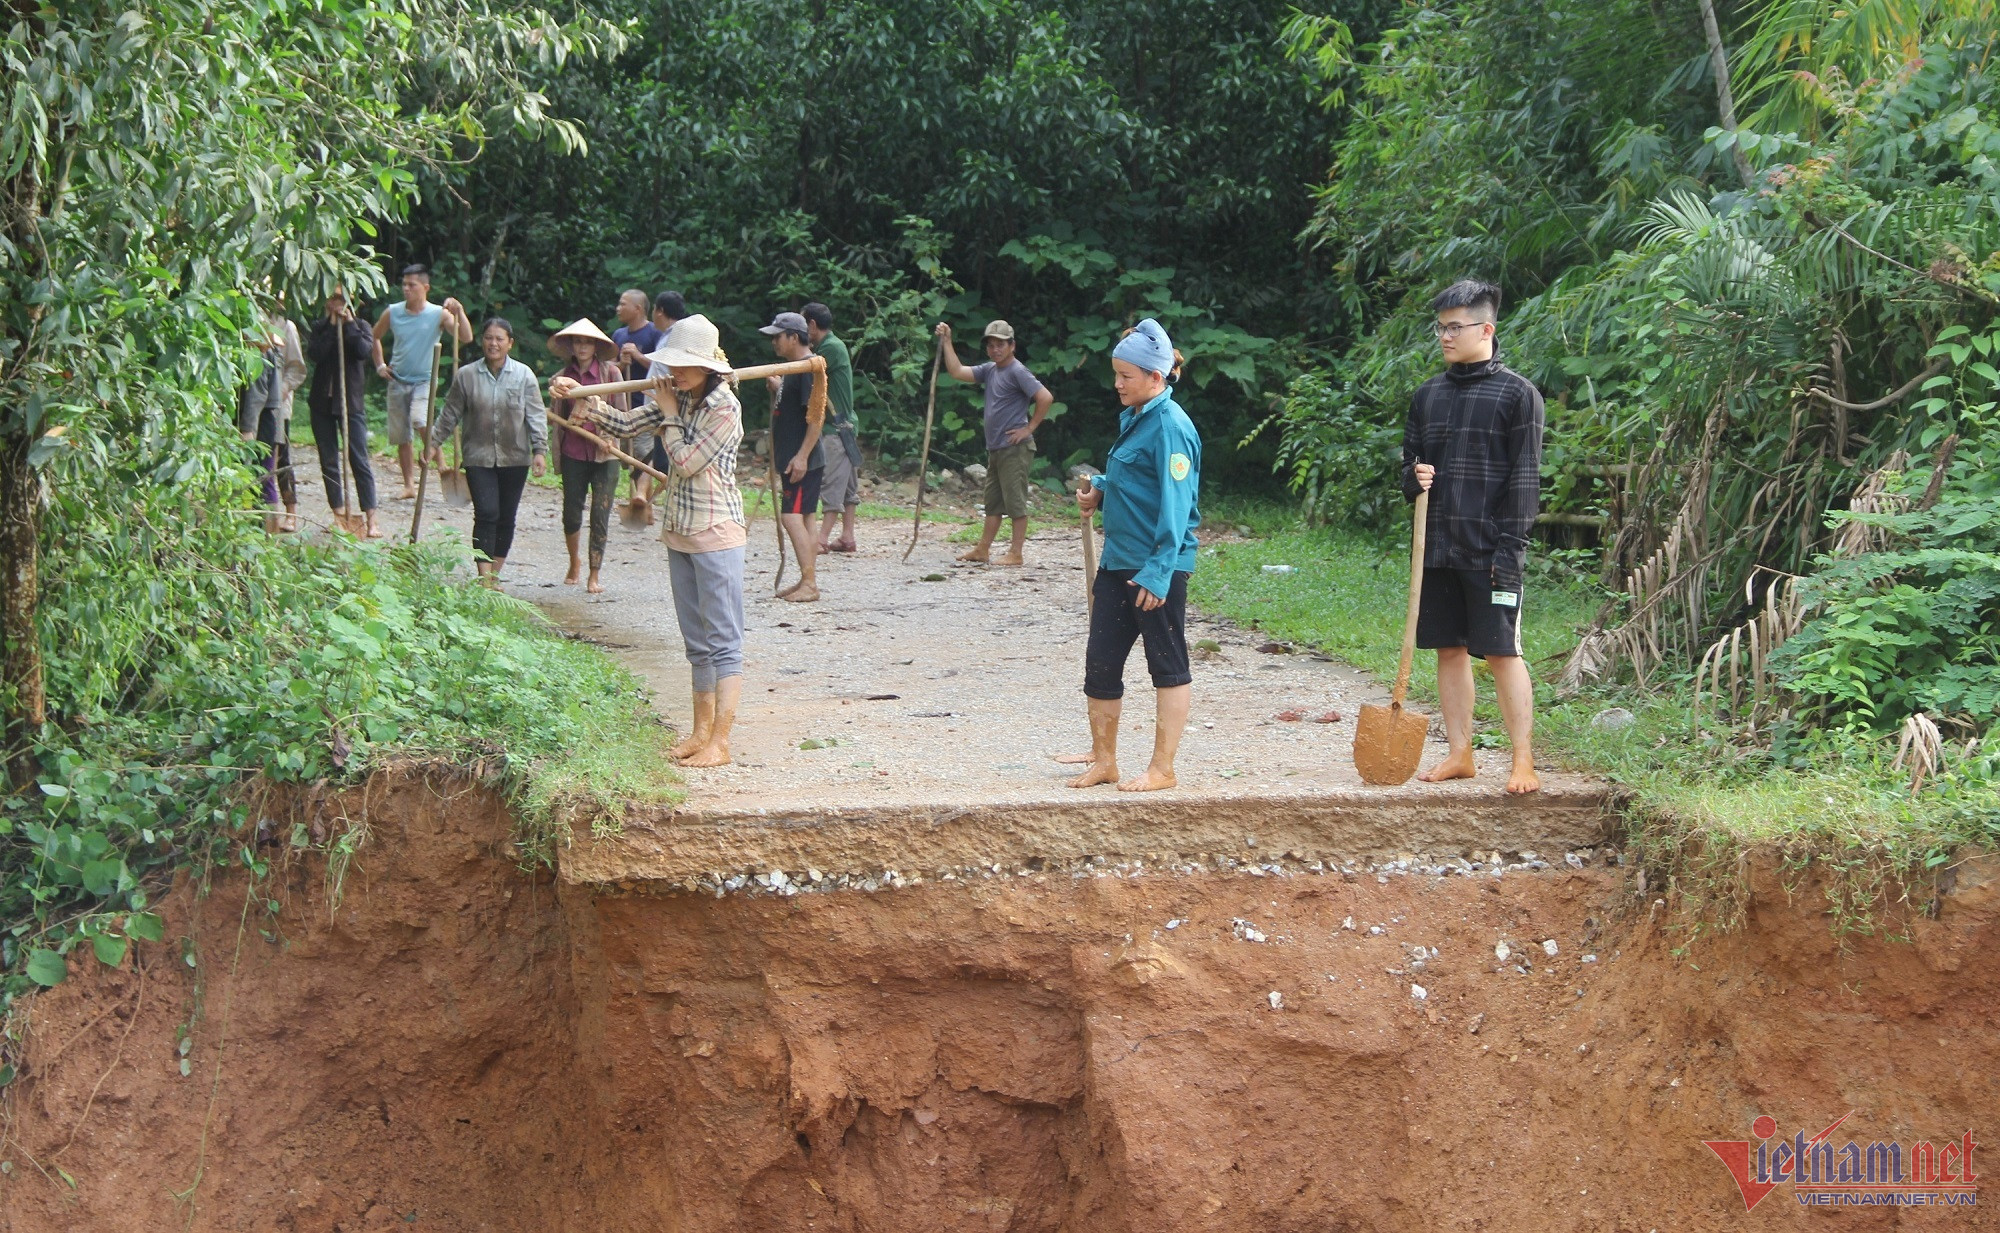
(424, 457)
(777, 498)
(924, 459)
(783, 368)
(601, 443)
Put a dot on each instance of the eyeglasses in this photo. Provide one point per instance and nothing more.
(1451, 331)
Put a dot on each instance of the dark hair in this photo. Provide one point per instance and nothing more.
(670, 304)
(819, 314)
(497, 323)
(417, 268)
(1469, 293)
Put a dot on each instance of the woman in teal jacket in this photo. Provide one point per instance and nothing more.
(1150, 494)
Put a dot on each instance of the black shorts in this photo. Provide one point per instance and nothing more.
(1457, 609)
(1116, 623)
(803, 497)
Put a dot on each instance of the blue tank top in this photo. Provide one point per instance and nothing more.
(415, 333)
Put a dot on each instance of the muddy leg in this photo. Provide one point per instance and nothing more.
(1517, 709)
(1104, 714)
(1170, 721)
(986, 534)
(1455, 700)
(575, 560)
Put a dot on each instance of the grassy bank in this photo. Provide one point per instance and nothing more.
(1699, 791)
(303, 663)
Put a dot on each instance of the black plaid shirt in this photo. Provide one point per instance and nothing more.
(1480, 425)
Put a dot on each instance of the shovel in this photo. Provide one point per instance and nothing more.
(424, 459)
(1388, 740)
(1089, 560)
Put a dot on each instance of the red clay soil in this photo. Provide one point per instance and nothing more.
(457, 1047)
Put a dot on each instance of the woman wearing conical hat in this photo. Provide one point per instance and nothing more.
(700, 423)
(588, 470)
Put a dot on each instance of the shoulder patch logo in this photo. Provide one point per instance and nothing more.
(1179, 465)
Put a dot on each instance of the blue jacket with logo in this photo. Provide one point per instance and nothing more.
(1152, 491)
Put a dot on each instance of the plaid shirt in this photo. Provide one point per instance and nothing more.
(700, 437)
(1480, 425)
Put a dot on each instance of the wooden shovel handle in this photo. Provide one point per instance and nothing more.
(811, 363)
(602, 444)
(1416, 596)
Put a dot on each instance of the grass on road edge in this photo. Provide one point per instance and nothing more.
(1697, 794)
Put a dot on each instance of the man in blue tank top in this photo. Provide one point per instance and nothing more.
(415, 325)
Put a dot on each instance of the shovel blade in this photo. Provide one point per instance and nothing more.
(1389, 743)
(452, 486)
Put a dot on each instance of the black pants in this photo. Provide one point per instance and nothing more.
(1116, 623)
(496, 498)
(270, 434)
(599, 482)
(356, 436)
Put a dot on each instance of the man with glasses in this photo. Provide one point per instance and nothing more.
(1473, 440)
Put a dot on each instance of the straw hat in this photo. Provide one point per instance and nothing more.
(694, 342)
(582, 327)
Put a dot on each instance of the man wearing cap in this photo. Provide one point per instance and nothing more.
(1011, 390)
(796, 449)
(1150, 494)
(840, 488)
(416, 324)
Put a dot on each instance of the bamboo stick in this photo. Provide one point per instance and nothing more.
(601, 443)
(811, 363)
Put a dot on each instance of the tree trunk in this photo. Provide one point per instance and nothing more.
(21, 659)
(1726, 102)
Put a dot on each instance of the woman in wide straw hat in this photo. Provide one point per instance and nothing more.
(700, 423)
(587, 469)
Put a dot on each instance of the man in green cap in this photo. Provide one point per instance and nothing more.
(1011, 394)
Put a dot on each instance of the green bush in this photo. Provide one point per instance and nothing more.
(305, 664)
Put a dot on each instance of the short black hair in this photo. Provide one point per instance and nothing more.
(1469, 293)
(497, 323)
(417, 268)
(670, 304)
(819, 314)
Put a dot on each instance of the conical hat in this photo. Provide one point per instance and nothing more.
(582, 327)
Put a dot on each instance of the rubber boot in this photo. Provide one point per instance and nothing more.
(728, 691)
(704, 724)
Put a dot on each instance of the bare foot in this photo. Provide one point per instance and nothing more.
(574, 575)
(687, 748)
(409, 493)
(801, 595)
(1073, 759)
(595, 586)
(1151, 781)
(1523, 780)
(1455, 766)
(845, 545)
(1012, 558)
(783, 592)
(1099, 772)
(823, 549)
(975, 554)
(711, 754)
(373, 532)
(290, 521)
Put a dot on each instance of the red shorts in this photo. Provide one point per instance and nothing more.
(803, 497)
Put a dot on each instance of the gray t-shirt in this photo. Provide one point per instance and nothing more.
(1010, 399)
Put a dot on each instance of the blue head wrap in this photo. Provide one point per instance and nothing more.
(1147, 347)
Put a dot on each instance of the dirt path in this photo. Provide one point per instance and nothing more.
(932, 681)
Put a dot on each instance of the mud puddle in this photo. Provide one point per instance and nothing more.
(1104, 1046)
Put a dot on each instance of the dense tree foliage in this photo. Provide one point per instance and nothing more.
(1728, 363)
(1069, 167)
